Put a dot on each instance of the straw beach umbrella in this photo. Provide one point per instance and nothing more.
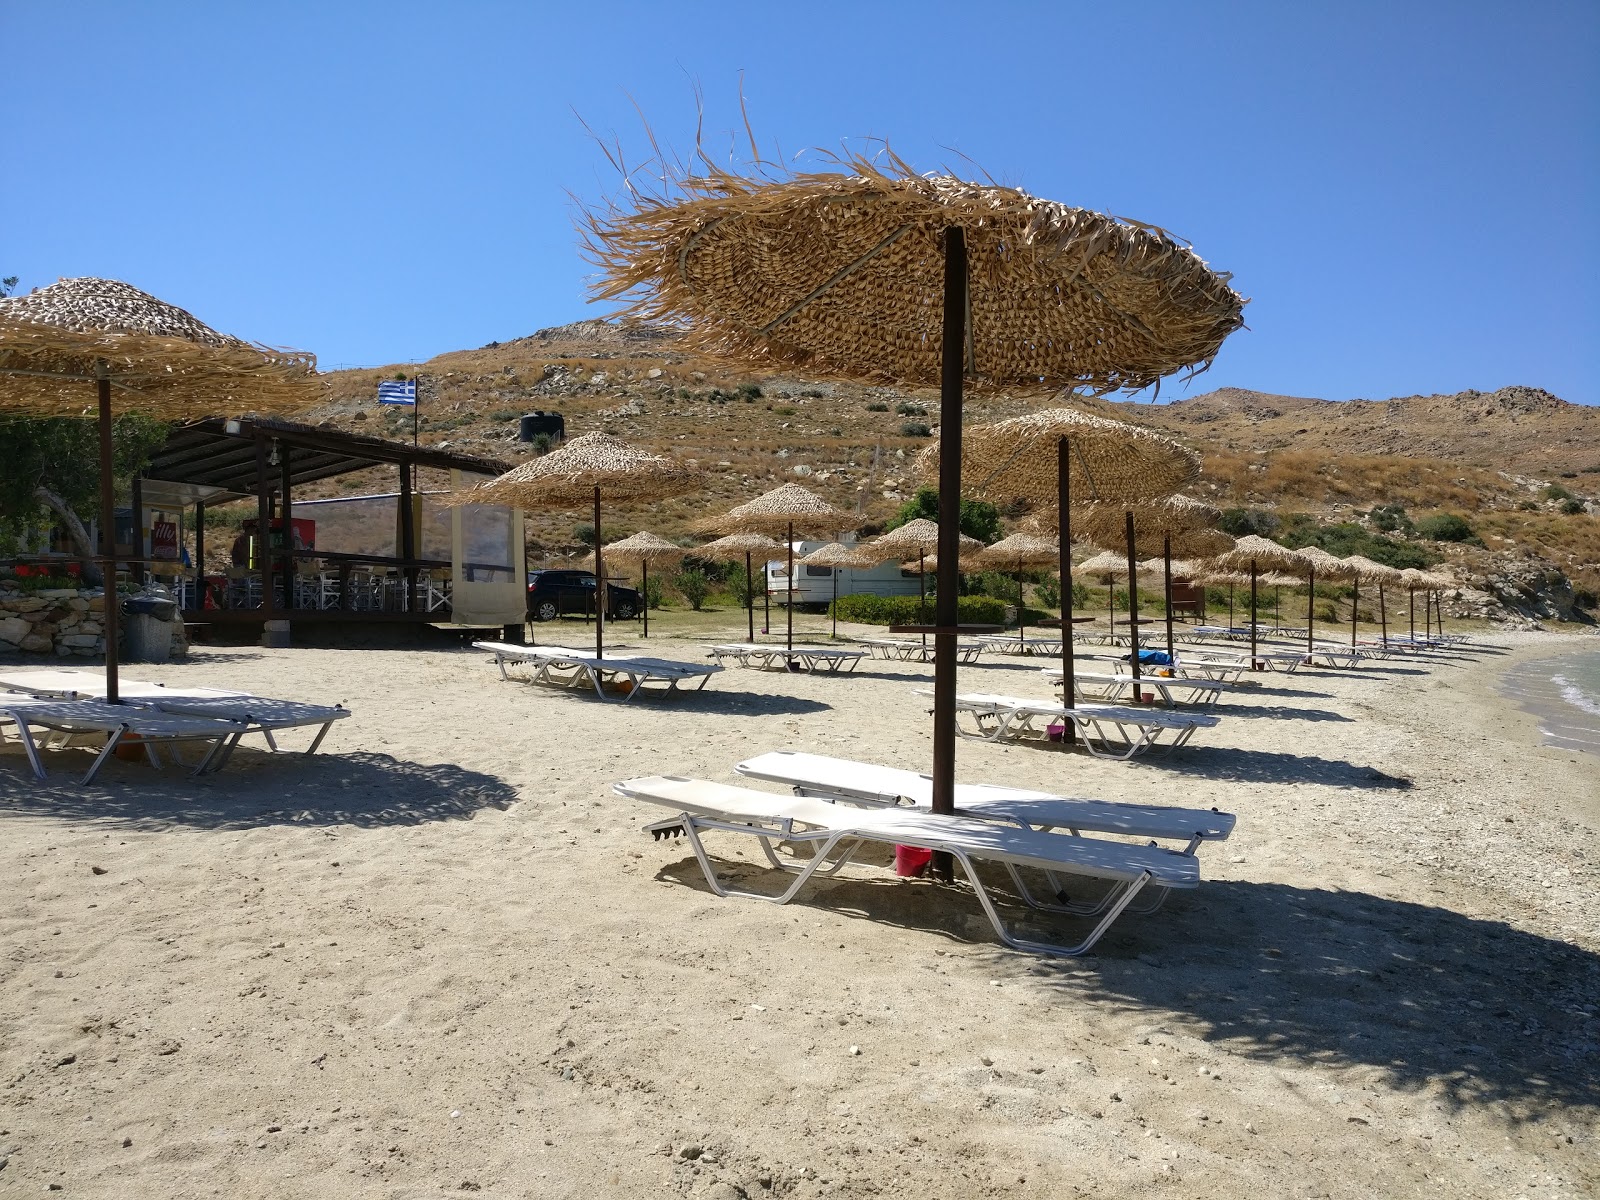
(1064, 456)
(834, 556)
(1368, 571)
(1163, 518)
(788, 509)
(1313, 561)
(1257, 553)
(163, 362)
(645, 548)
(1017, 553)
(919, 536)
(881, 274)
(728, 549)
(1109, 567)
(583, 471)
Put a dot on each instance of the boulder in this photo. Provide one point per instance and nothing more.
(14, 629)
(35, 644)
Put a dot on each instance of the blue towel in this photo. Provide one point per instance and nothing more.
(1151, 658)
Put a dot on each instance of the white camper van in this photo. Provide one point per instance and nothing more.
(814, 585)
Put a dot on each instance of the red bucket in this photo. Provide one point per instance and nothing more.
(909, 861)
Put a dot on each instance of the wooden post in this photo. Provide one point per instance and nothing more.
(1069, 679)
(1166, 566)
(200, 554)
(788, 546)
(263, 560)
(1133, 601)
(750, 594)
(290, 574)
(140, 566)
(408, 539)
(599, 583)
(946, 610)
(108, 534)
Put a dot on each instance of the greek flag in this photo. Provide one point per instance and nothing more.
(398, 393)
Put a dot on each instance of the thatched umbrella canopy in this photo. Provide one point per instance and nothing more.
(1368, 571)
(891, 276)
(1015, 554)
(730, 549)
(583, 471)
(1107, 564)
(920, 536)
(1431, 582)
(1310, 562)
(164, 362)
(645, 548)
(1256, 552)
(1067, 457)
(835, 555)
(788, 509)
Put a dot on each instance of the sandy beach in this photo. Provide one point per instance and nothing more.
(441, 957)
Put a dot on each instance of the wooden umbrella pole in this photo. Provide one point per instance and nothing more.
(922, 594)
(599, 583)
(1133, 600)
(1230, 607)
(750, 594)
(1253, 663)
(1277, 621)
(644, 594)
(1166, 565)
(1069, 681)
(946, 610)
(834, 607)
(766, 601)
(1411, 600)
(1355, 607)
(1022, 613)
(108, 535)
(789, 607)
(1383, 618)
(1311, 607)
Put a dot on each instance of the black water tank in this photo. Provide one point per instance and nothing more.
(552, 424)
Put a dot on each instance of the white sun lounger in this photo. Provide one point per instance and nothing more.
(1106, 730)
(259, 714)
(904, 650)
(1200, 692)
(810, 658)
(879, 786)
(1003, 644)
(575, 668)
(1266, 658)
(835, 832)
(41, 721)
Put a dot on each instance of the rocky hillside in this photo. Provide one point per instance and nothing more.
(1522, 465)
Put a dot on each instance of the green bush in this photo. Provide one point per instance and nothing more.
(1445, 527)
(693, 586)
(1573, 507)
(654, 591)
(1236, 522)
(1556, 492)
(877, 406)
(916, 429)
(906, 409)
(750, 391)
(904, 610)
(1048, 591)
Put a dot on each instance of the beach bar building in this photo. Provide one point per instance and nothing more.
(386, 558)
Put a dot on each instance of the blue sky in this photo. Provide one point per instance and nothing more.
(1408, 191)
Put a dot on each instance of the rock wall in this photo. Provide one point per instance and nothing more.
(61, 622)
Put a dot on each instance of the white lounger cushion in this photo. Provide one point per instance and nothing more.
(872, 784)
(1153, 717)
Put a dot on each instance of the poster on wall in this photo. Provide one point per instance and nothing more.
(164, 539)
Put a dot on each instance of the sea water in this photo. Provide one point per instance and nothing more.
(1564, 694)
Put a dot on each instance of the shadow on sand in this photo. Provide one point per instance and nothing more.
(1270, 766)
(1475, 1010)
(259, 789)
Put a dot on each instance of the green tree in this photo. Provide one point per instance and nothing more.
(979, 519)
(693, 586)
(50, 466)
(1445, 527)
